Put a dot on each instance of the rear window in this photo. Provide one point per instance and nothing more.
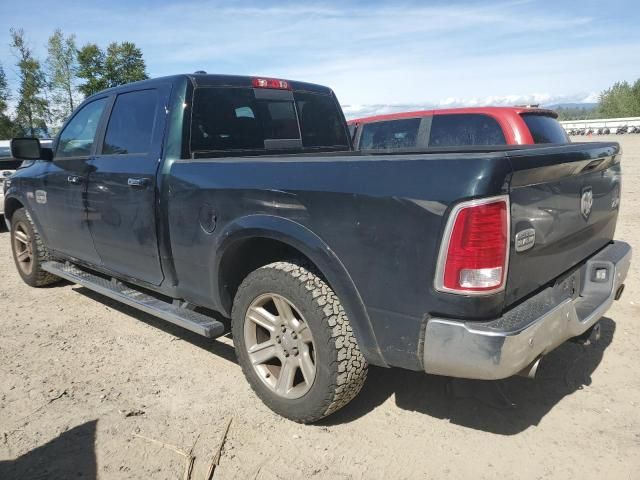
(390, 134)
(545, 129)
(321, 123)
(234, 119)
(465, 129)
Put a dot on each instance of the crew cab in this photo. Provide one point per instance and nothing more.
(457, 127)
(227, 203)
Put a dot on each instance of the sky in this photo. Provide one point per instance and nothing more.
(377, 56)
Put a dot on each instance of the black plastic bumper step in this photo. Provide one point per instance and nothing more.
(189, 319)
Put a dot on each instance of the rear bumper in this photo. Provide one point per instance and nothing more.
(503, 347)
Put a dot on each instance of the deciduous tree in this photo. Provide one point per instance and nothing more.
(32, 108)
(62, 68)
(6, 125)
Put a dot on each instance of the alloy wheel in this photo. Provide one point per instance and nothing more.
(280, 346)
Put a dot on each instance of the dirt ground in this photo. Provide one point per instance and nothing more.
(92, 389)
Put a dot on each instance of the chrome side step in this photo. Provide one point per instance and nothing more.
(194, 321)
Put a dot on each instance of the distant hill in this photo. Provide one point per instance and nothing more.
(575, 111)
(571, 106)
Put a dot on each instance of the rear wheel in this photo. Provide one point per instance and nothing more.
(29, 251)
(294, 342)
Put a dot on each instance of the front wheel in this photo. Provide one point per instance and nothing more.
(294, 342)
(29, 251)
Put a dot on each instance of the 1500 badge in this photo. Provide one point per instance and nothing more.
(41, 196)
(525, 239)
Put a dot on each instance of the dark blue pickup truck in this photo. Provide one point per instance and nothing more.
(226, 203)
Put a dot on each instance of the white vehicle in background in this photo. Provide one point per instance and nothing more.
(8, 165)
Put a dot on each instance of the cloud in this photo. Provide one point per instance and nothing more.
(542, 99)
(372, 53)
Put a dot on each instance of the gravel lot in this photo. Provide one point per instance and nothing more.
(88, 389)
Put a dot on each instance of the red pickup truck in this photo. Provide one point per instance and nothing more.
(457, 127)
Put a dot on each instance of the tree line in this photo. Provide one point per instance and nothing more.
(620, 100)
(48, 91)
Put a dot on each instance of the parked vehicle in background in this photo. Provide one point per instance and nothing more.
(8, 165)
(458, 127)
(184, 195)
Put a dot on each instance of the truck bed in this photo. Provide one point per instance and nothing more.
(385, 212)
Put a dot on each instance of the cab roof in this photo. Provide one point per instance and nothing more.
(492, 111)
(213, 80)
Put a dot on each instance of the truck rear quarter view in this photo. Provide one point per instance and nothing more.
(237, 205)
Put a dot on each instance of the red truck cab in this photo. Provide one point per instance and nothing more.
(457, 127)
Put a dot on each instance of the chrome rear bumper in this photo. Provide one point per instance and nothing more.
(503, 347)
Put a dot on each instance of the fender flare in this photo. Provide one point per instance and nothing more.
(14, 194)
(325, 259)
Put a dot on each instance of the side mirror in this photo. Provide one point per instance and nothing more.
(29, 149)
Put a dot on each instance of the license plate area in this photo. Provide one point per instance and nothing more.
(570, 284)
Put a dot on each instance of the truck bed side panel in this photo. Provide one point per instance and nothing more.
(378, 214)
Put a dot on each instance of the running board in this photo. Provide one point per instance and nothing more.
(189, 319)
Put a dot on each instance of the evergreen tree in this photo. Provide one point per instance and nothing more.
(32, 109)
(91, 67)
(122, 63)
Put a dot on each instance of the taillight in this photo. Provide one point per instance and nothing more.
(474, 254)
(270, 83)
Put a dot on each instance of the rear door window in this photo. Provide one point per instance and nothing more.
(131, 123)
(545, 129)
(390, 134)
(465, 129)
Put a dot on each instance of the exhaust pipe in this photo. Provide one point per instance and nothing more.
(530, 370)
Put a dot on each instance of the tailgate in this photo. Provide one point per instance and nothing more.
(564, 207)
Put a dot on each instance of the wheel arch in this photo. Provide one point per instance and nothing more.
(11, 204)
(257, 240)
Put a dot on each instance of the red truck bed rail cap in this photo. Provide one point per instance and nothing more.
(270, 83)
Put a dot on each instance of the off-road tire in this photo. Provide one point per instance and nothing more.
(37, 277)
(341, 368)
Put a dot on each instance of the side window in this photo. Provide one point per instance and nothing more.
(78, 136)
(465, 129)
(130, 128)
(390, 134)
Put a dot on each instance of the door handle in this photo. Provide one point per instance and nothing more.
(75, 179)
(138, 182)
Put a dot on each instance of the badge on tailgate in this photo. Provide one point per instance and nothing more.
(586, 202)
(525, 239)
